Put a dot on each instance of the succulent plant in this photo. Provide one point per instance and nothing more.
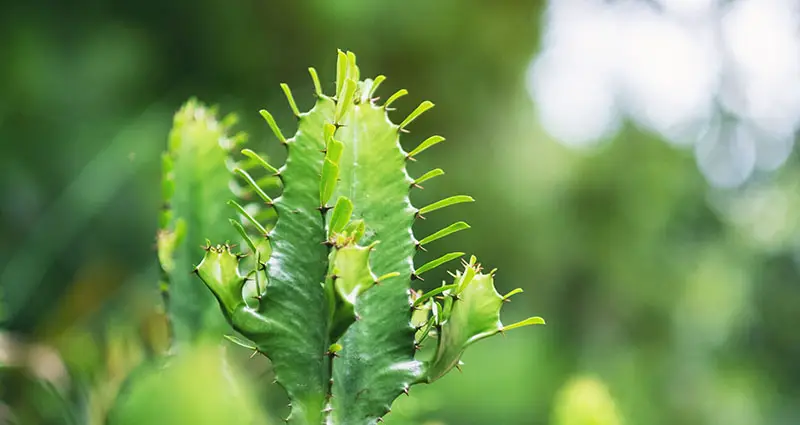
(325, 292)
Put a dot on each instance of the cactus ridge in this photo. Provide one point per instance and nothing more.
(343, 341)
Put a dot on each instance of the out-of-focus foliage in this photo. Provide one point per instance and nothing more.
(585, 401)
(187, 391)
(681, 299)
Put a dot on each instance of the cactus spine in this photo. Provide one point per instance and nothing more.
(332, 306)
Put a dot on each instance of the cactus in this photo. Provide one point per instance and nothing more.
(195, 176)
(330, 300)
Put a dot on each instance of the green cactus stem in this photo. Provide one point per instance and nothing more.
(333, 303)
(195, 178)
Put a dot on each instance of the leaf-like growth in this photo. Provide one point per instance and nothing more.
(449, 230)
(471, 313)
(429, 175)
(220, 272)
(350, 276)
(340, 216)
(458, 199)
(430, 141)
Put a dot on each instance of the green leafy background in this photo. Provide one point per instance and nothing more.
(667, 302)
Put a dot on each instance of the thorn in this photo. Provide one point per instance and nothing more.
(418, 215)
(417, 347)
(375, 99)
(420, 247)
(380, 420)
(325, 208)
(458, 366)
(255, 352)
(411, 158)
(414, 185)
(405, 391)
(403, 130)
(331, 354)
(414, 276)
(456, 297)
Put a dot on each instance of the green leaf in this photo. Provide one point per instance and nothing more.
(356, 230)
(240, 209)
(429, 175)
(341, 72)
(430, 141)
(252, 183)
(258, 159)
(536, 320)
(432, 293)
(424, 106)
(438, 262)
(315, 79)
(458, 199)
(345, 100)
(239, 228)
(400, 93)
(449, 230)
(241, 342)
(273, 125)
(288, 92)
(340, 216)
(375, 84)
(330, 173)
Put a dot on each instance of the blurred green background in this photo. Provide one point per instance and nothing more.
(667, 301)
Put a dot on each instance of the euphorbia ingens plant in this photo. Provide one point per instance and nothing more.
(325, 290)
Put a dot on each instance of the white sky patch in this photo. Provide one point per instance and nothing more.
(690, 8)
(574, 107)
(572, 84)
(670, 73)
(665, 70)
